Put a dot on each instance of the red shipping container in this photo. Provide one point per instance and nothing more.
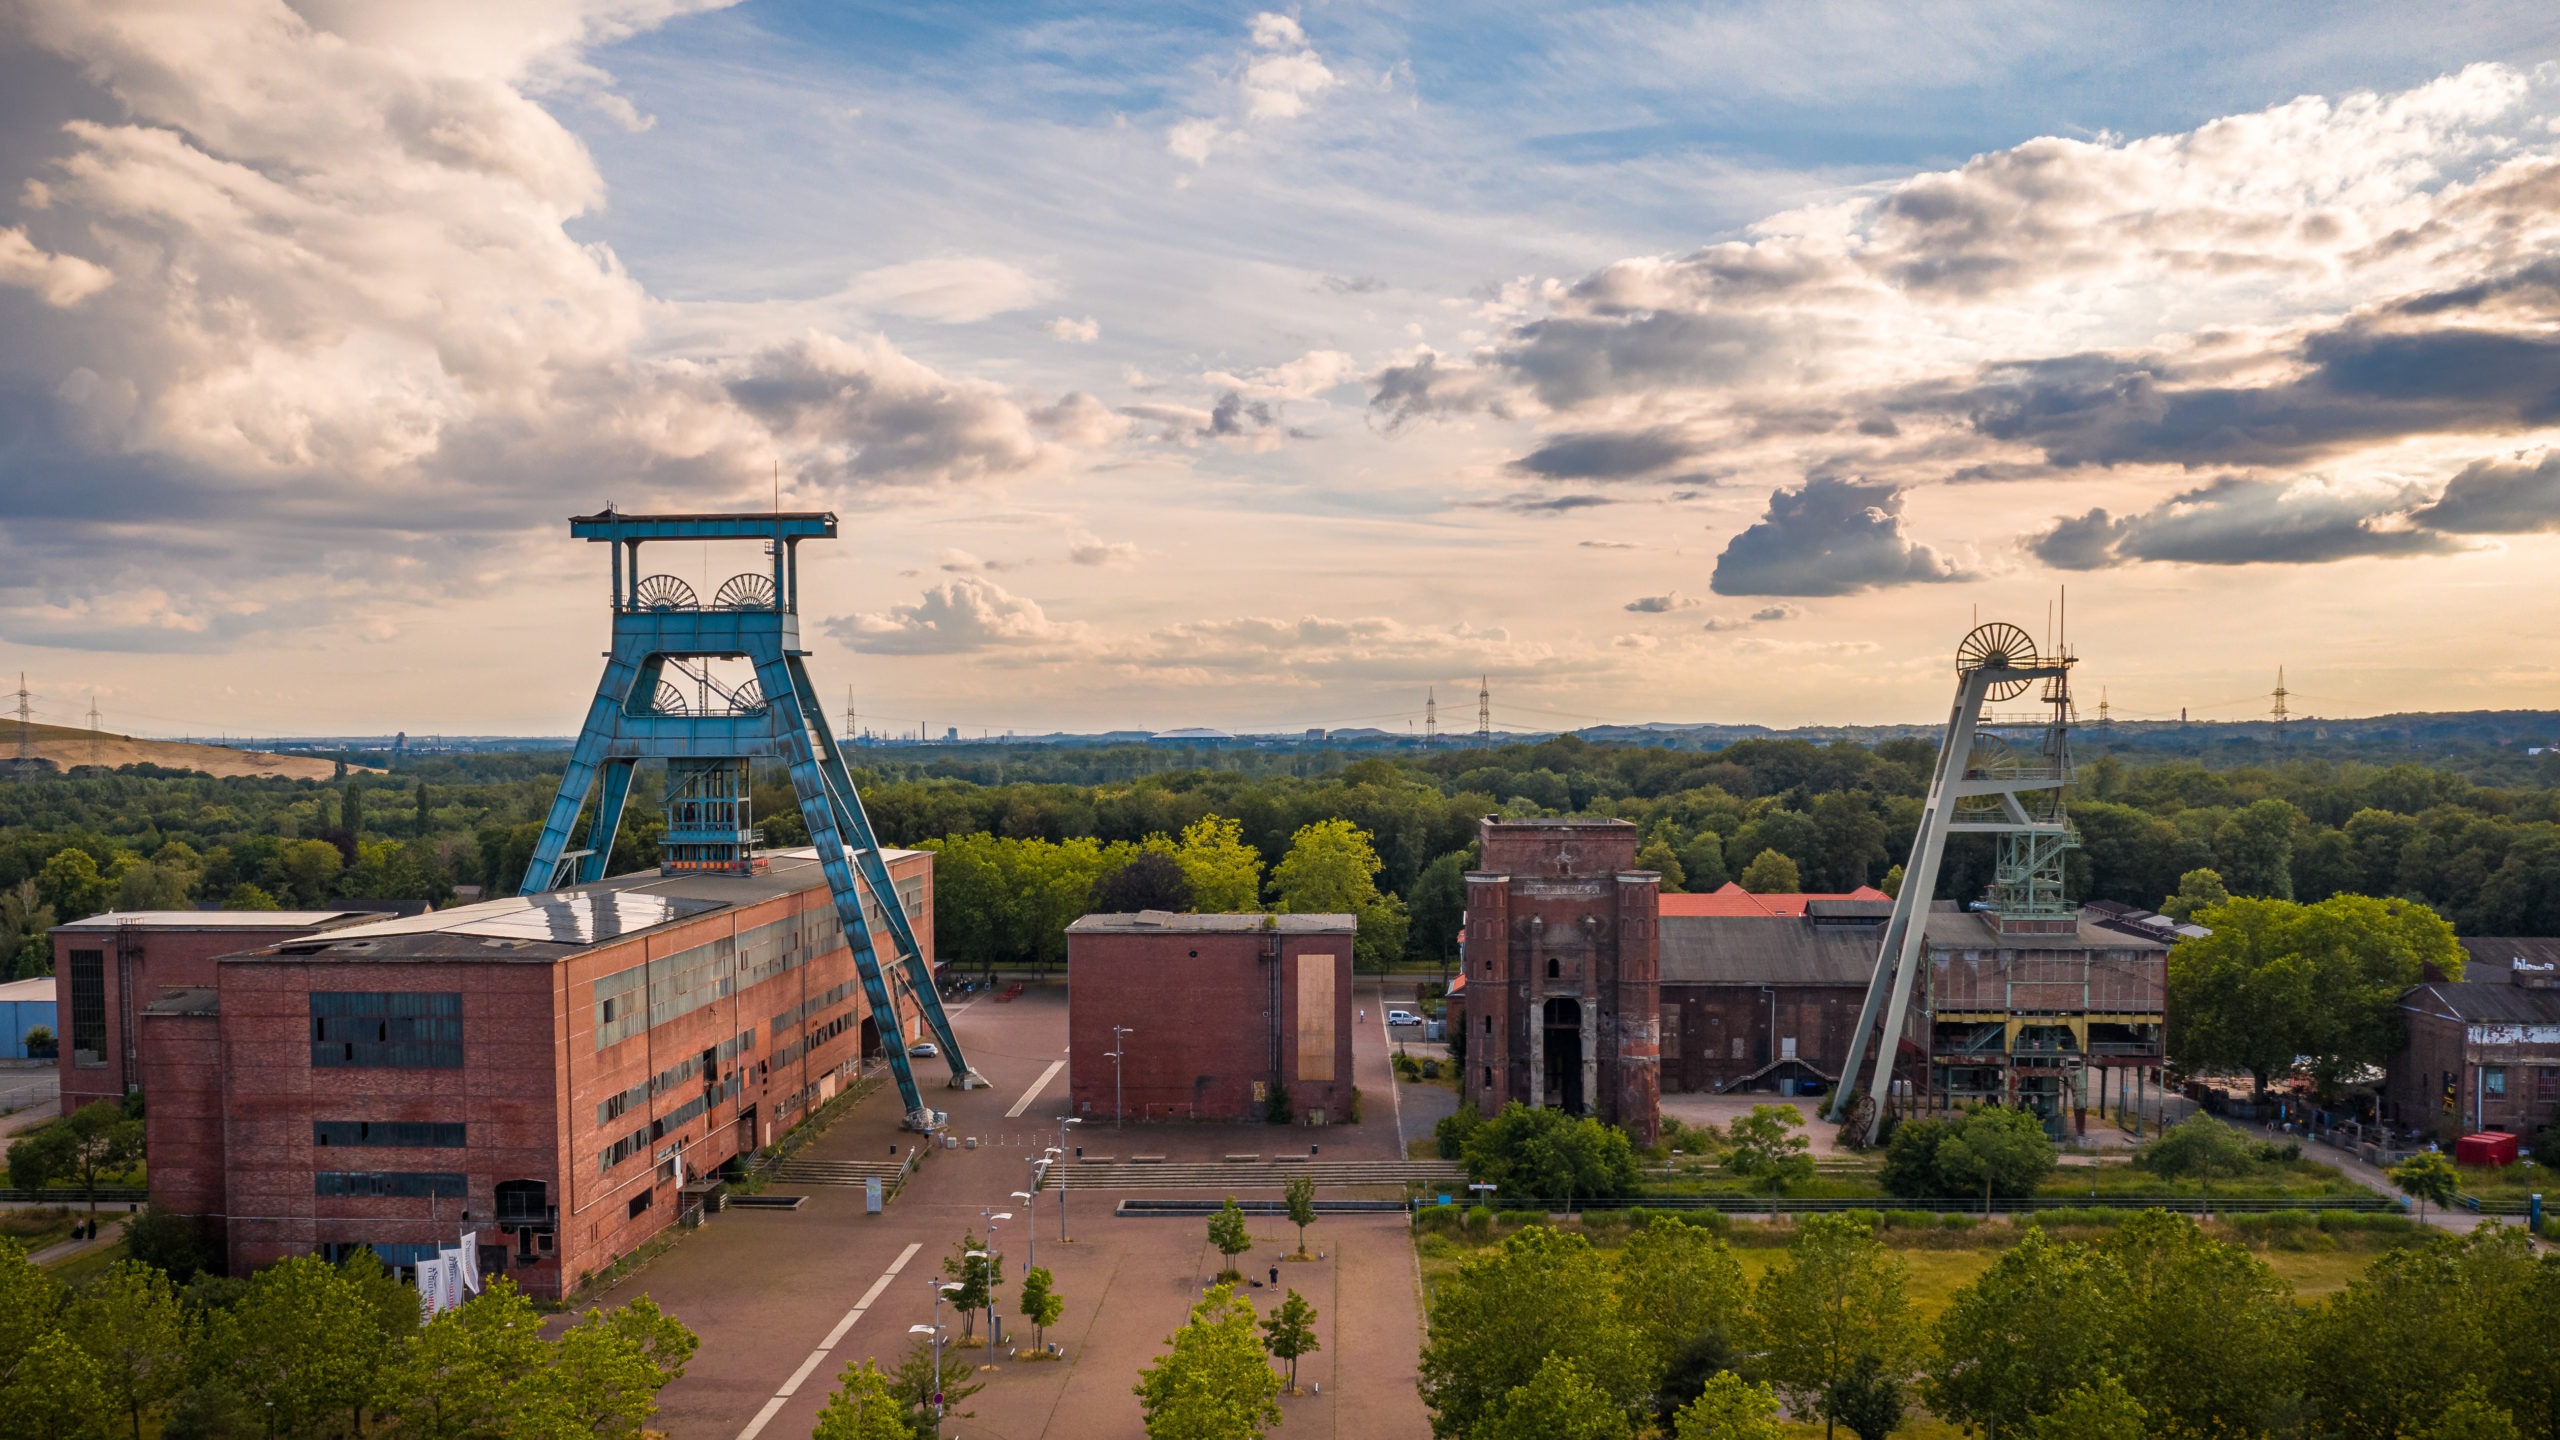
(2489, 1147)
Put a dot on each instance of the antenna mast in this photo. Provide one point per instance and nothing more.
(26, 714)
(93, 727)
(1484, 713)
(2280, 715)
(1431, 718)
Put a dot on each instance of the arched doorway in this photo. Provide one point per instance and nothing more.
(1563, 1021)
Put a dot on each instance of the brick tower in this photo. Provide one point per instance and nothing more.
(1563, 971)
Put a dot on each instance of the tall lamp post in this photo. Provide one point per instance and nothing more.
(1061, 1155)
(942, 1290)
(1119, 1047)
(1031, 1232)
(994, 1260)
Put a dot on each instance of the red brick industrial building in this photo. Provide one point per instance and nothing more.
(1561, 953)
(1218, 1012)
(108, 967)
(2483, 1053)
(551, 1068)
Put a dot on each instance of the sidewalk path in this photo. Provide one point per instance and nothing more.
(109, 1232)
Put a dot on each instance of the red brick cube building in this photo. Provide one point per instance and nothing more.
(548, 1072)
(1219, 1013)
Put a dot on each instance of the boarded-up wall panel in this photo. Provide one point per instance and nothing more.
(1315, 1017)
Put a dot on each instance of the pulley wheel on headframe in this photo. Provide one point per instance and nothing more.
(750, 591)
(662, 592)
(669, 701)
(1998, 646)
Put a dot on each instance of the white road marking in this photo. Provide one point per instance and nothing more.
(1036, 1087)
(818, 1356)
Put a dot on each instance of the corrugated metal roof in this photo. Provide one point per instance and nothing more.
(38, 990)
(2491, 1003)
(2492, 959)
(1760, 950)
(218, 919)
(1157, 922)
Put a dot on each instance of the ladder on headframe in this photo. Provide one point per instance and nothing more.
(709, 738)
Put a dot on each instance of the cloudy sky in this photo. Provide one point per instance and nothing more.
(1217, 365)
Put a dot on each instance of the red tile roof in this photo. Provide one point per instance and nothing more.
(1733, 901)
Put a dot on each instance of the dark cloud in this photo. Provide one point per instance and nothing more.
(1426, 389)
(1828, 537)
(1537, 502)
(1570, 359)
(1605, 454)
(1661, 604)
(1235, 415)
(2358, 386)
(1354, 284)
(2499, 497)
(2240, 521)
(1776, 612)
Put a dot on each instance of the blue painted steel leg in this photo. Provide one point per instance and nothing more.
(607, 821)
(810, 785)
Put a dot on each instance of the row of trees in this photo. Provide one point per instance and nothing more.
(1008, 901)
(304, 1348)
(2157, 1332)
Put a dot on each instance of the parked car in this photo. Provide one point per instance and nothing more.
(1403, 1017)
(923, 1050)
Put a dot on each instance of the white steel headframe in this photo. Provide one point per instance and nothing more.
(1956, 780)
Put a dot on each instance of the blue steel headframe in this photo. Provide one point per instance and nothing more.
(781, 721)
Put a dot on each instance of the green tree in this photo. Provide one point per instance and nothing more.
(1839, 1295)
(2428, 1178)
(863, 1406)
(309, 870)
(2255, 848)
(969, 1266)
(2101, 1409)
(2198, 890)
(2199, 1148)
(920, 1376)
(1657, 855)
(1867, 1401)
(1225, 872)
(1227, 1232)
(1300, 1199)
(1540, 1293)
(2472, 1415)
(2422, 1322)
(1763, 1147)
(1702, 862)
(1675, 1283)
(351, 812)
(612, 1364)
(1332, 869)
(1151, 880)
(1559, 1402)
(478, 1369)
(1995, 1150)
(71, 886)
(1542, 1154)
(1730, 1408)
(1213, 1384)
(311, 1342)
(90, 1142)
(1289, 1331)
(1911, 1159)
(245, 896)
(1436, 908)
(55, 1392)
(153, 886)
(2000, 1360)
(1040, 1303)
(2206, 1337)
(128, 1323)
(1771, 872)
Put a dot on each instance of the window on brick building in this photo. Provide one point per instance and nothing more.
(88, 1007)
(2546, 1083)
(396, 1029)
(403, 1184)
(641, 1202)
(2493, 1081)
(439, 1133)
(1555, 968)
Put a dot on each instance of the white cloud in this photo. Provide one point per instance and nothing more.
(1281, 77)
(1077, 332)
(952, 289)
(1086, 548)
(958, 617)
(345, 304)
(1304, 378)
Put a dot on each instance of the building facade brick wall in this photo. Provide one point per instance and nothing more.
(139, 957)
(1215, 1017)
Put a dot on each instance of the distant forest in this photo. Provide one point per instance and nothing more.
(2485, 855)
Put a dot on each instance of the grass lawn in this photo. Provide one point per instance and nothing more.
(35, 1227)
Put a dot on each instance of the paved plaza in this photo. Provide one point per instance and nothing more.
(783, 1300)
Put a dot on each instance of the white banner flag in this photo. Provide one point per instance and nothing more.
(469, 1255)
(431, 1274)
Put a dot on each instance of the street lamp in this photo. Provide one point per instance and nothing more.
(1031, 1246)
(1060, 1153)
(993, 1260)
(1119, 1047)
(942, 1289)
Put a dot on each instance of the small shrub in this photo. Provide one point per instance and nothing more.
(1910, 1220)
(1713, 1221)
(1453, 1130)
(1957, 1222)
(1516, 1219)
(1438, 1219)
(2277, 1152)
(1431, 1068)
(1479, 1219)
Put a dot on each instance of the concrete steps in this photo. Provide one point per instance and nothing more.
(797, 1171)
(1246, 1175)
